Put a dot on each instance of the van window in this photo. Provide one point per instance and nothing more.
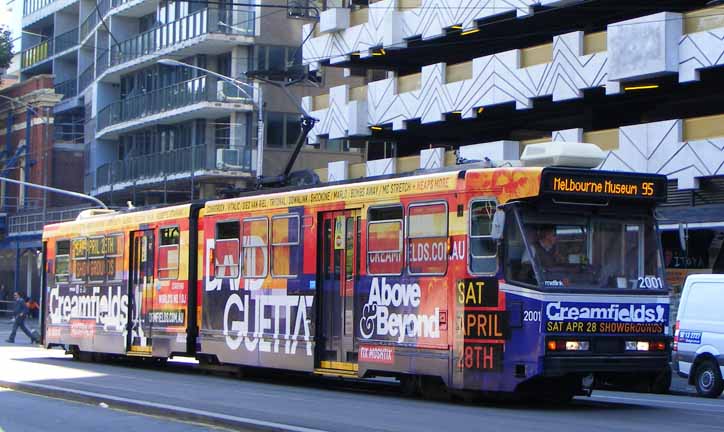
(168, 253)
(62, 260)
(254, 244)
(701, 304)
(285, 246)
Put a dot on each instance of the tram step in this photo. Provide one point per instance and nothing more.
(138, 354)
(336, 372)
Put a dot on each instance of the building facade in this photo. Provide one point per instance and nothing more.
(485, 79)
(156, 133)
(35, 149)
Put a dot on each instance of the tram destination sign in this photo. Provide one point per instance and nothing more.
(603, 184)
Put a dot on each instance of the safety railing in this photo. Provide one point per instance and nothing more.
(65, 41)
(191, 26)
(86, 78)
(33, 222)
(172, 97)
(93, 18)
(48, 48)
(32, 6)
(68, 88)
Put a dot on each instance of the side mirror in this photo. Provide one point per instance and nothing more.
(498, 226)
(682, 237)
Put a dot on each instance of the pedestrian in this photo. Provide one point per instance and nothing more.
(3, 292)
(20, 312)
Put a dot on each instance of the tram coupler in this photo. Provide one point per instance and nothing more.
(587, 384)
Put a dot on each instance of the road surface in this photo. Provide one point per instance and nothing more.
(305, 405)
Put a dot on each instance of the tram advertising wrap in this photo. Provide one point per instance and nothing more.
(523, 280)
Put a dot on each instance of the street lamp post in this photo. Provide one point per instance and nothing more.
(239, 86)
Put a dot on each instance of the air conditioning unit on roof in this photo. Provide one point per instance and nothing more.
(565, 154)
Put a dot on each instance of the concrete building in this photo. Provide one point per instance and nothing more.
(486, 79)
(155, 133)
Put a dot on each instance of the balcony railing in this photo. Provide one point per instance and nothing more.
(86, 78)
(65, 41)
(33, 221)
(92, 20)
(159, 165)
(32, 6)
(67, 88)
(191, 26)
(48, 48)
(168, 98)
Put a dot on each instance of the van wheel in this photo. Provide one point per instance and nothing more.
(708, 379)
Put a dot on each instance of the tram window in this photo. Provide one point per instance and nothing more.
(254, 245)
(96, 269)
(168, 253)
(483, 249)
(285, 246)
(384, 241)
(114, 257)
(427, 236)
(62, 261)
(226, 253)
(79, 259)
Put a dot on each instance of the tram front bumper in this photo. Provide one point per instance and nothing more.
(562, 365)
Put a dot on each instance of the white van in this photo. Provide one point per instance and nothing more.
(698, 351)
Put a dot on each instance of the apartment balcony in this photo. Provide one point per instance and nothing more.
(92, 20)
(31, 222)
(171, 166)
(196, 98)
(48, 49)
(35, 10)
(207, 31)
(68, 88)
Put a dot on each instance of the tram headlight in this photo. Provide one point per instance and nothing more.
(637, 345)
(577, 345)
(645, 346)
(567, 345)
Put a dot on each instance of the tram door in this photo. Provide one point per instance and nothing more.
(339, 263)
(141, 292)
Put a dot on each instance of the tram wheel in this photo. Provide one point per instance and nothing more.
(434, 388)
(410, 385)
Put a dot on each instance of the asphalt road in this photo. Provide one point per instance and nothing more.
(324, 405)
(31, 413)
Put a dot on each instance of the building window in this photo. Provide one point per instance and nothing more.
(275, 57)
(282, 129)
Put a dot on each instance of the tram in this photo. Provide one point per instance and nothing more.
(524, 280)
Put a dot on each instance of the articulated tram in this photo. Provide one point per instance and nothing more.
(515, 279)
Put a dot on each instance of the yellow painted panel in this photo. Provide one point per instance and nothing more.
(459, 72)
(409, 83)
(409, 4)
(704, 19)
(536, 55)
(704, 127)
(408, 164)
(320, 102)
(607, 139)
(358, 17)
(595, 42)
(358, 93)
